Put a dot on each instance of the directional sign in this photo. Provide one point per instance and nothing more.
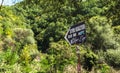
(76, 34)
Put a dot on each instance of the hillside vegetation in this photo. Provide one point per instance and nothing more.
(32, 36)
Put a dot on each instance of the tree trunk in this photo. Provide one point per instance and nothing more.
(1, 4)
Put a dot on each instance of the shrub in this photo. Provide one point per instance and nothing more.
(90, 60)
(104, 68)
(101, 34)
(8, 43)
(1, 30)
(117, 29)
(27, 52)
(25, 56)
(62, 55)
(24, 36)
(117, 33)
(10, 57)
(113, 57)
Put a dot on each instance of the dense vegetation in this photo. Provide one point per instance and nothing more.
(32, 36)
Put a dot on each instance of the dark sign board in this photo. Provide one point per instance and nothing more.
(76, 34)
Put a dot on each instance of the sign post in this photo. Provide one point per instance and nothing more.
(76, 35)
(78, 55)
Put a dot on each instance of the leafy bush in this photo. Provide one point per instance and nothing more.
(1, 30)
(117, 29)
(21, 34)
(117, 33)
(90, 60)
(8, 43)
(62, 55)
(104, 68)
(27, 52)
(113, 57)
(23, 37)
(100, 28)
(10, 57)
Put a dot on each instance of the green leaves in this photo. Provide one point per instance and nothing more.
(90, 60)
(63, 55)
(101, 28)
(113, 57)
(10, 57)
(33, 25)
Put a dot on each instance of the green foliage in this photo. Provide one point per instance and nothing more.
(117, 29)
(1, 30)
(8, 43)
(9, 56)
(100, 28)
(117, 33)
(25, 56)
(24, 35)
(33, 25)
(62, 55)
(46, 63)
(27, 52)
(105, 69)
(113, 12)
(90, 60)
(113, 57)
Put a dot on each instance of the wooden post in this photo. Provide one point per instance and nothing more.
(78, 61)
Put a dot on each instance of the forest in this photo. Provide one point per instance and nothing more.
(32, 36)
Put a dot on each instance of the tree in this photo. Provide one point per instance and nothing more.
(1, 4)
(102, 35)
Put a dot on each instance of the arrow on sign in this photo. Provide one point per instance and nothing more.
(67, 35)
